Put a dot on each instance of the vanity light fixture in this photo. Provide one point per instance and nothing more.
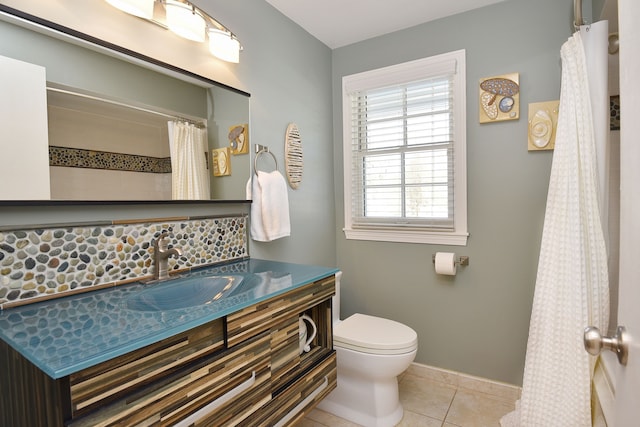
(185, 20)
(223, 45)
(140, 8)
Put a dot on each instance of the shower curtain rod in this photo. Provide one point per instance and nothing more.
(577, 13)
(196, 123)
(614, 41)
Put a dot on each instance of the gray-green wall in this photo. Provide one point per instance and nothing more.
(476, 322)
(288, 73)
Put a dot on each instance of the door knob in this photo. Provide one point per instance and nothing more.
(594, 342)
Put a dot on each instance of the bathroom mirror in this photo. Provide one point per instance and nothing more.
(93, 89)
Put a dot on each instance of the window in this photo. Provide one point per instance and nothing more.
(405, 152)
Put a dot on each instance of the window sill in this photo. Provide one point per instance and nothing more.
(408, 236)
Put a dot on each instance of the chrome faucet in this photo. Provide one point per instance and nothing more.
(161, 256)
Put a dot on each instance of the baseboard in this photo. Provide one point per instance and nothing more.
(460, 380)
(603, 389)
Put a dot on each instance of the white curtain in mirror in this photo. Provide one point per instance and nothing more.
(188, 145)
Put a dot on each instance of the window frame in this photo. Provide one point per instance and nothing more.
(403, 73)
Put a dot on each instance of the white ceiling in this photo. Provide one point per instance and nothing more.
(338, 23)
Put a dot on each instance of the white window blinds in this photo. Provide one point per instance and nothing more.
(402, 154)
(403, 132)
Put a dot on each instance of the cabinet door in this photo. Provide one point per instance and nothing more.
(24, 145)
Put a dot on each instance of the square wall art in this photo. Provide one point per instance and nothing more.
(499, 98)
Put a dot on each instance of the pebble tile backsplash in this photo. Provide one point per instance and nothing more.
(47, 262)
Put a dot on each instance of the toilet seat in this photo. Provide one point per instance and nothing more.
(374, 335)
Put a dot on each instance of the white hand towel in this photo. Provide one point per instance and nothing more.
(256, 231)
(270, 207)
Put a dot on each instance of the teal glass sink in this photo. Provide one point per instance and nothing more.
(183, 293)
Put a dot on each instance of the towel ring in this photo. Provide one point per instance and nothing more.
(262, 151)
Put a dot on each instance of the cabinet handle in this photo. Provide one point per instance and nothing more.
(191, 419)
(302, 404)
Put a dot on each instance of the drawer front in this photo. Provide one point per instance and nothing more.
(297, 400)
(225, 387)
(263, 316)
(96, 386)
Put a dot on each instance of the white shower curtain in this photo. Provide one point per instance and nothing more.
(572, 289)
(189, 176)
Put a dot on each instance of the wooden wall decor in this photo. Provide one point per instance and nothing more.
(293, 161)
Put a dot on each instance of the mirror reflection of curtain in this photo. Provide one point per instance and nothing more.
(189, 175)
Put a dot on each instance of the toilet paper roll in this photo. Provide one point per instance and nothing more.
(446, 263)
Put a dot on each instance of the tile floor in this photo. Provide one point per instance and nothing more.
(437, 398)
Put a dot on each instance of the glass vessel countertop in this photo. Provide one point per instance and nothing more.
(65, 335)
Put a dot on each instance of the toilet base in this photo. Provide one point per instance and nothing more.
(365, 403)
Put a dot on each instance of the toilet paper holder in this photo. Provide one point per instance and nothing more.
(461, 260)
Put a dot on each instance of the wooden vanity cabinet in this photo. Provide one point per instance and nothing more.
(243, 369)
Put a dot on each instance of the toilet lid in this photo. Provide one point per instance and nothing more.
(370, 334)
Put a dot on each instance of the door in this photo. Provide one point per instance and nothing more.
(627, 378)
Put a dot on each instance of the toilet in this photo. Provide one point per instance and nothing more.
(371, 353)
